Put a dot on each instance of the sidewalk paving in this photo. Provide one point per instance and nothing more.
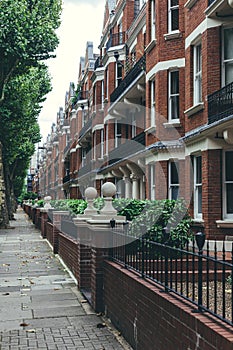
(40, 305)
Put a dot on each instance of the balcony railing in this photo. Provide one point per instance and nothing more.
(84, 170)
(82, 95)
(127, 149)
(211, 2)
(116, 39)
(67, 147)
(98, 63)
(85, 128)
(66, 179)
(220, 104)
(129, 78)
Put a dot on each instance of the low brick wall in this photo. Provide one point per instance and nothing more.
(152, 320)
(68, 251)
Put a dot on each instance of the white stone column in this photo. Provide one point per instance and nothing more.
(142, 188)
(135, 187)
(128, 187)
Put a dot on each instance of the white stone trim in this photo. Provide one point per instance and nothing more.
(165, 65)
(97, 127)
(203, 26)
(194, 109)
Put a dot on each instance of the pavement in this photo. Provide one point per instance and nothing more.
(40, 305)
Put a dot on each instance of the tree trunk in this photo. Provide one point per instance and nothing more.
(4, 218)
(10, 200)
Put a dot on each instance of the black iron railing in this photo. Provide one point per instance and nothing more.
(98, 63)
(116, 39)
(211, 2)
(203, 278)
(85, 128)
(67, 148)
(84, 170)
(66, 179)
(220, 104)
(128, 148)
(129, 78)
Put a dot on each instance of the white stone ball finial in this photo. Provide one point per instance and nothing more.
(90, 193)
(108, 189)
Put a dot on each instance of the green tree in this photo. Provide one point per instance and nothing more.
(27, 35)
(19, 129)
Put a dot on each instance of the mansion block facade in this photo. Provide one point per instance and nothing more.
(152, 111)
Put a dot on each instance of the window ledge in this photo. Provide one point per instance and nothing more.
(224, 223)
(190, 3)
(151, 45)
(173, 35)
(198, 222)
(172, 124)
(151, 129)
(194, 109)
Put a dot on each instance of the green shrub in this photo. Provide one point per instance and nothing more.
(164, 213)
(129, 207)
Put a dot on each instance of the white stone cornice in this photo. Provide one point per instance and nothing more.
(165, 65)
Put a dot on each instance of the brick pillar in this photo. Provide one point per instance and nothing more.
(57, 215)
(84, 255)
(211, 191)
(101, 243)
(98, 256)
(37, 218)
(44, 219)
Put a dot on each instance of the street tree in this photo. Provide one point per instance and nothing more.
(19, 129)
(27, 35)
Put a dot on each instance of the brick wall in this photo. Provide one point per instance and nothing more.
(152, 320)
(211, 196)
(68, 251)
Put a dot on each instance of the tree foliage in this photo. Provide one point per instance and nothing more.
(19, 129)
(27, 34)
(27, 38)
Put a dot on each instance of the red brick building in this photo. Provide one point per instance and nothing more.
(152, 111)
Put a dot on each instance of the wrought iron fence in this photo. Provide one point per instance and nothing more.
(203, 277)
(210, 2)
(133, 74)
(116, 39)
(66, 179)
(220, 104)
(85, 128)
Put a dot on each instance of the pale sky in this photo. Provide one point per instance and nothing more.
(82, 21)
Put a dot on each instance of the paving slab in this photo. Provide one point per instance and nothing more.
(40, 305)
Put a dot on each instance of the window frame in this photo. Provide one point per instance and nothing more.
(171, 10)
(171, 185)
(118, 135)
(102, 94)
(197, 73)
(101, 143)
(133, 125)
(225, 61)
(196, 186)
(226, 216)
(118, 74)
(152, 102)
(171, 97)
(152, 174)
(153, 21)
